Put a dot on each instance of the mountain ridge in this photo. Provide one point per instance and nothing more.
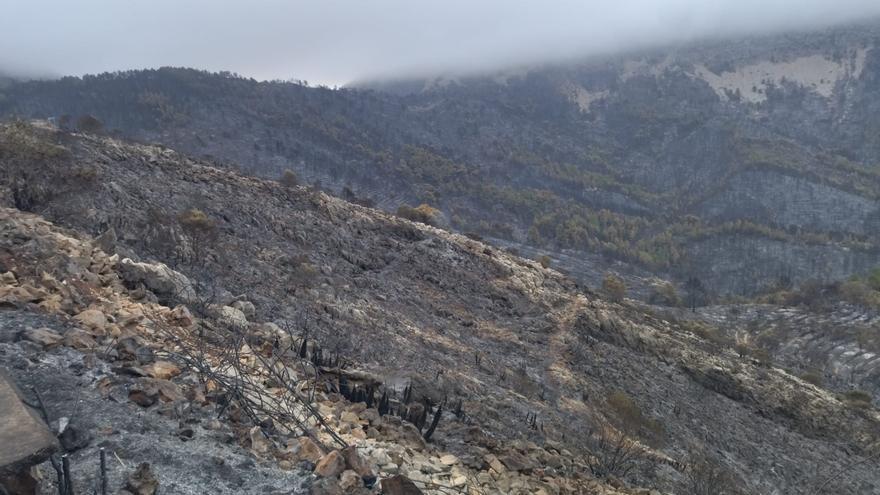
(606, 158)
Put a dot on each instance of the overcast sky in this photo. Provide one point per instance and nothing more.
(337, 41)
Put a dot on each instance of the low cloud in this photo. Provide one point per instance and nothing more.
(336, 41)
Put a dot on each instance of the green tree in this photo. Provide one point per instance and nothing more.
(89, 123)
(289, 179)
(614, 287)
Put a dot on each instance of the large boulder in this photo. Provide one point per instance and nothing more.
(163, 281)
(25, 440)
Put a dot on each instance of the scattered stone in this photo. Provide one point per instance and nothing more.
(213, 424)
(181, 316)
(132, 349)
(142, 481)
(8, 278)
(355, 462)
(516, 461)
(259, 443)
(494, 463)
(458, 481)
(371, 416)
(231, 316)
(381, 457)
(168, 391)
(142, 396)
(146, 391)
(130, 371)
(46, 337)
(196, 394)
(411, 437)
(326, 486)
(73, 438)
(93, 320)
(350, 417)
(307, 450)
(162, 369)
(331, 465)
(349, 481)
(186, 434)
(126, 317)
(79, 339)
(399, 485)
(246, 307)
(448, 460)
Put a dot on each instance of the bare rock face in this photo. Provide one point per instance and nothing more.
(142, 481)
(331, 465)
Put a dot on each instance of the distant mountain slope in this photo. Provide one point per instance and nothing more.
(735, 162)
(531, 356)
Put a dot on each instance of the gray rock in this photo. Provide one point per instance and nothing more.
(160, 279)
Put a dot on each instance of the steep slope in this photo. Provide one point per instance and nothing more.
(531, 357)
(734, 161)
(836, 348)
